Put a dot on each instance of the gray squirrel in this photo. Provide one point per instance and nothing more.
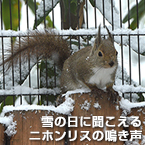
(91, 67)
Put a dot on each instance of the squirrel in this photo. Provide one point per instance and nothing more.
(91, 67)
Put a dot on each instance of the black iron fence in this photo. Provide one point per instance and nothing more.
(25, 82)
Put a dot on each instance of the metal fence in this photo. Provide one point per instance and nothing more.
(83, 16)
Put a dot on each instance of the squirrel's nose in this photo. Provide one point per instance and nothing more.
(111, 63)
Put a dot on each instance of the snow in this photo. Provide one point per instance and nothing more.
(10, 131)
(91, 31)
(116, 32)
(132, 143)
(6, 120)
(24, 90)
(97, 106)
(65, 108)
(25, 71)
(86, 105)
(109, 7)
(128, 88)
(48, 7)
(133, 38)
(10, 125)
(125, 104)
(18, 90)
(81, 91)
(8, 33)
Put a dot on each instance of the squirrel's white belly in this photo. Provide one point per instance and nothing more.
(102, 76)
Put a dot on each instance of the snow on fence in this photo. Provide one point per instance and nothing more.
(83, 118)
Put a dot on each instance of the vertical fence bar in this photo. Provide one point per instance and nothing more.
(130, 74)
(2, 47)
(70, 22)
(137, 13)
(45, 59)
(78, 9)
(54, 63)
(11, 27)
(87, 20)
(95, 14)
(139, 69)
(20, 71)
(69, 12)
(2, 40)
(103, 13)
(87, 23)
(19, 15)
(61, 12)
(112, 15)
(44, 14)
(122, 58)
(46, 80)
(38, 76)
(120, 9)
(53, 13)
(128, 8)
(27, 15)
(10, 14)
(35, 6)
(128, 14)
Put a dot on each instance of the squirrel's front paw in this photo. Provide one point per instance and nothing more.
(96, 92)
(113, 96)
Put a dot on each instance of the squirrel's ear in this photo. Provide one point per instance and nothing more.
(97, 41)
(110, 36)
(98, 38)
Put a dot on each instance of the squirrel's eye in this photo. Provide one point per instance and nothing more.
(100, 53)
(116, 53)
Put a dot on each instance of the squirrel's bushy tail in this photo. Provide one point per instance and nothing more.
(41, 45)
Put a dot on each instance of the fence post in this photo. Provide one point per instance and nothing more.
(2, 129)
(30, 121)
(138, 112)
(87, 105)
